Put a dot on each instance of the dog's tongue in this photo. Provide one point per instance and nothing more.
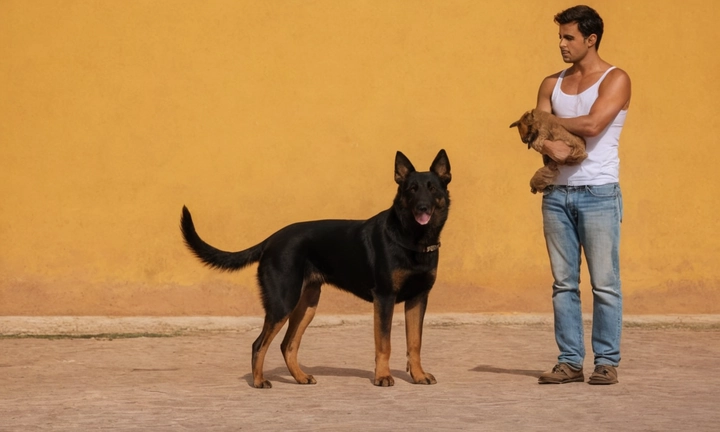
(422, 218)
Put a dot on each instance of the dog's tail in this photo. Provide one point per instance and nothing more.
(211, 256)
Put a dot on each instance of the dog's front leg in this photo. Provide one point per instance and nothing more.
(538, 144)
(414, 317)
(384, 307)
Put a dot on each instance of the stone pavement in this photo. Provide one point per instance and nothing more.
(174, 374)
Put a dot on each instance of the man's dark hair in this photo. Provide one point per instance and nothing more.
(587, 19)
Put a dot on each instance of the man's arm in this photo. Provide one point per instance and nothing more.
(613, 96)
(545, 92)
(557, 150)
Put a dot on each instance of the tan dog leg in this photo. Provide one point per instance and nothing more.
(299, 320)
(414, 317)
(259, 349)
(383, 325)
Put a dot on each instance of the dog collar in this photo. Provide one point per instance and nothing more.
(431, 248)
(427, 249)
(415, 248)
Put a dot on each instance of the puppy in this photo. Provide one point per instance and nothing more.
(535, 127)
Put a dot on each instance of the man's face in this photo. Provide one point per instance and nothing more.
(573, 47)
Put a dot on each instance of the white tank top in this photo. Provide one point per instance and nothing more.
(603, 163)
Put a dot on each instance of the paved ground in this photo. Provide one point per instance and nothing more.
(487, 366)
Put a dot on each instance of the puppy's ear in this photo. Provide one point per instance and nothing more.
(441, 167)
(403, 167)
(515, 124)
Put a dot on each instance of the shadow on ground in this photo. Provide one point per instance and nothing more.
(497, 370)
(281, 374)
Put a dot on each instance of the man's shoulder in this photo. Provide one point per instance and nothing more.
(554, 77)
(617, 76)
(617, 71)
(549, 81)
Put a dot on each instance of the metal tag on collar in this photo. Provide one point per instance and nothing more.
(431, 248)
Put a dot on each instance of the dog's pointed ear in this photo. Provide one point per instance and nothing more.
(403, 167)
(441, 167)
(515, 124)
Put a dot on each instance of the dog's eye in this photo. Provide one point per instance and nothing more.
(413, 187)
(431, 187)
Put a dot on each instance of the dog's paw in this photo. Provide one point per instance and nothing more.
(424, 378)
(264, 384)
(308, 379)
(384, 381)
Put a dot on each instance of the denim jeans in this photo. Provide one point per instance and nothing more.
(585, 219)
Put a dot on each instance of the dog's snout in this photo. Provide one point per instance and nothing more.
(423, 212)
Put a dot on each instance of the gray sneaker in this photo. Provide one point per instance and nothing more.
(560, 374)
(603, 375)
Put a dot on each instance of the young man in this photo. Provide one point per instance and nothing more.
(582, 211)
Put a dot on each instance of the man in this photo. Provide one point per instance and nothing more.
(582, 211)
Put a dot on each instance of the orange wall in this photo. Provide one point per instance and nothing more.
(258, 114)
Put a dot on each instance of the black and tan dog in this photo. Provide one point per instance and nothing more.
(536, 126)
(387, 259)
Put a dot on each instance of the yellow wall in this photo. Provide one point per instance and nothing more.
(113, 114)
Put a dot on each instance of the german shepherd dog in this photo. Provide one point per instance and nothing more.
(387, 259)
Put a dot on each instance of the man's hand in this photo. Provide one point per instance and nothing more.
(557, 150)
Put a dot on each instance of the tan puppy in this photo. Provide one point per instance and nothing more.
(535, 127)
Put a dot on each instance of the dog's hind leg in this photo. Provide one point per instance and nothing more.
(544, 177)
(271, 327)
(414, 316)
(299, 320)
(281, 283)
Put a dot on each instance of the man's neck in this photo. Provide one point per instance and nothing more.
(590, 64)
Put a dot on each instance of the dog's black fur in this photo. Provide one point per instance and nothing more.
(387, 259)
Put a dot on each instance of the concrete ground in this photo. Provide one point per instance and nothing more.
(174, 374)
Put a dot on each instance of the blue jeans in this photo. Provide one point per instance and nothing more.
(585, 218)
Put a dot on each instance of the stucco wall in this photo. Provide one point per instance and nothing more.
(258, 114)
